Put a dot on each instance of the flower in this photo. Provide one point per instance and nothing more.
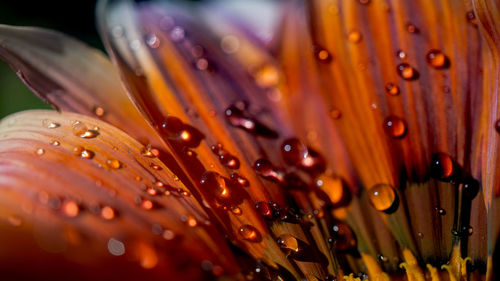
(347, 139)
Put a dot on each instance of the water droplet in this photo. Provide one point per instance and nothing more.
(50, 124)
(55, 143)
(70, 208)
(342, 236)
(98, 111)
(263, 209)
(266, 169)
(382, 197)
(202, 64)
(240, 180)
(249, 233)
(440, 211)
(225, 157)
(153, 41)
(113, 164)
(412, 28)
(470, 188)
(230, 44)
(178, 131)
(177, 34)
(155, 167)
(40, 151)
(442, 166)
(437, 59)
(219, 186)
(333, 187)
(497, 126)
(147, 204)
(335, 113)
(471, 18)
(237, 117)
(392, 89)
(354, 36)
(395, 127)
(149, 152)
(267, 76)
(288, 242)
(364, 2)
(107, 213)
(407, 72)
(237, 211)
(81, 130)
(116, 247)
(168, 234)
(87, 154)
(323, 55)
(401, 54)
(295, 153)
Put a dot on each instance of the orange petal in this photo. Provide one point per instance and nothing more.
(92, 194)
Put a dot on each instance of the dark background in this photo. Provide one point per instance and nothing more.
(75, 18)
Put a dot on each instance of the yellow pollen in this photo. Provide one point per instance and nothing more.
(350, 277)
(374, 271)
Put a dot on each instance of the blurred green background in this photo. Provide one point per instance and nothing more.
(75, 18)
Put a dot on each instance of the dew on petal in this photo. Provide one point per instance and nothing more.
(323, 55)
(442, 166)
(335, 113)
(382, 197)
(147, 204)
(333, 187)
(70, 208)
(395, 127)
(412, 28)
(50, 124)
(263, 209)
(177, 34)
(116, 247)
(288, 242)
(237, 117)
(354, 36)
(236, 211)
(267, 76)
(153, 41)
(230, 44)
(168, 234)
(107, 213)
(55, 142)
(249, 233)
(342, 236)
(437, 59)
(40, 151)
(98, 111)
(240, 180)
(407, 72)
(440, 211)
(266, 169)
(392, 89)
(401, 54)
(471, 18)
(113, 164)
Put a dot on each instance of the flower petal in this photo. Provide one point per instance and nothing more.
(71, 76)
(90, 193)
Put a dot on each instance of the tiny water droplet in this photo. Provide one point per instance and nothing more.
(407, 72)
(267, 76)
(240, 180)
(40, 151)
(249, 233)
(230, 44)
(113, 164)
(149, 152)
(440, 211)
(395, 127)
(147, 204)
(237, 211)
(50, 124)
(323, 55)
(333, 187)
(202, 64)
(70, 208)
(412, 28)
(343, 237)
(116, 247)
(437, 59)
(168, 234)
(153, 41)
(263, 209)
(364, 2)
(98, 111)
(335, 113)
(392, 89)
(55, 142)
(107, 213)
(471, 18)
(155, 167)
(354, 36)
(401, 54)
(177, 34)
(382, 197)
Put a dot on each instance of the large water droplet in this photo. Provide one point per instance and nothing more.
(395, 127)
(250, 233)
(333, 187)
(442, 166)
(178, 131)
(407, 72)
(383, 197)
(437, 59)
(288, 242)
